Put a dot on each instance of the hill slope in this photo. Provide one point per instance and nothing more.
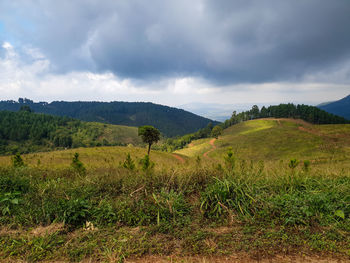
(339, 107)
(170, 121)
(278, 139)
(28, 132)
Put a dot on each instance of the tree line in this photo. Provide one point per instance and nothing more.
(307, 113)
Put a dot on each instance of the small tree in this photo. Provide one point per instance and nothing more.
(77, 164)
(216, 131)
(149, 135)
(129, 163)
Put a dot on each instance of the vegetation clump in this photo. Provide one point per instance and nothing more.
(77, 164)
(129, 162)
(17, 161)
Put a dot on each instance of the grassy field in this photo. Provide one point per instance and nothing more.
(250, 203)
(281, 139)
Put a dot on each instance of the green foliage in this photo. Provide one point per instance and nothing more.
(226, 195)
(216, 131)
(25, 108)
(146, 163)
(149, 135)
(171, 207)
(306, 166)
(77, 164)
(76, 211)
(293, 163)
(129, 162)
(17, 161)
(230, 160)
(8, 201)
(307, 113)
(26, 131)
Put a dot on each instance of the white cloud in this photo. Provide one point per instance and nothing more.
(26, 73)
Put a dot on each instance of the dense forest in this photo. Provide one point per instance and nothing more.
(339, 107)
(25, 131)
(170, 121)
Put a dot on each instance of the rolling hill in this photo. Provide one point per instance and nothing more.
(340, 107)
(277, 139)
(170, 121)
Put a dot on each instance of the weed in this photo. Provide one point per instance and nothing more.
(293, 163)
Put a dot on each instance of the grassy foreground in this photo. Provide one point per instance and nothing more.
(118, 213)
(232, 202)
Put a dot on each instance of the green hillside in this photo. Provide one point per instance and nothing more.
(25, 132)
(170, 121)
(278, 139)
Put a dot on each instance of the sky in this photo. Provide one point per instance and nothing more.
(230, 52)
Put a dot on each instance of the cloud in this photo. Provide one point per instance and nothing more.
(224, 42)
(27, 73)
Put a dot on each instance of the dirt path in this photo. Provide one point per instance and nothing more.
(212, 149)
(178, 157)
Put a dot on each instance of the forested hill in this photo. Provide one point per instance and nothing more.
(305, 112)
(339, 107)
(25, 132)
(170, 121)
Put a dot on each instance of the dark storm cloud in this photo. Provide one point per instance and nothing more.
(222, 41)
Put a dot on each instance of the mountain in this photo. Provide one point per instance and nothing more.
(170, 121)
(339, 107)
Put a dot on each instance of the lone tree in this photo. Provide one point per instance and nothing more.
(216, 131)
(149, 135)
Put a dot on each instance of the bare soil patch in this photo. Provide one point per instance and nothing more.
(178, 157)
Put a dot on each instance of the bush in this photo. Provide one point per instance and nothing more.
(17, 161)
(228, 194)
(129, 163)
(146, 163)
(77, 164)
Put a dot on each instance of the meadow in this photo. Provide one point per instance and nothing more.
(271, 189)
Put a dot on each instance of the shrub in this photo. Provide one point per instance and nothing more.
(17, 161)
(228, 194)
(77, 164)
(230, 160)
(129, 163)
(146, 163)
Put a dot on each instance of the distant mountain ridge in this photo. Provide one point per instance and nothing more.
(340, 107)
(170, 121)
